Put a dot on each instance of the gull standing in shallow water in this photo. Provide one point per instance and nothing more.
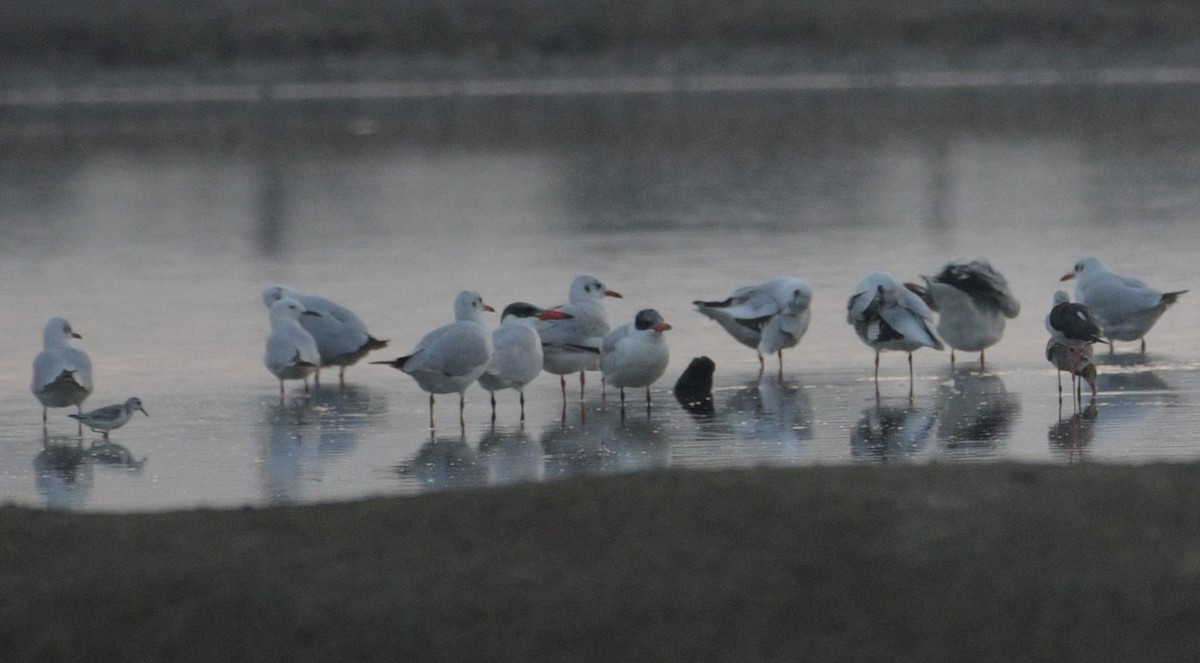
(291, 351)
(62, 374)
(516, 350)
(636, 354)
(452, 357)
(342, 338)
(110, 417)
(573, 345)
(888, 316)
(1073, 327)
(1074, 360)
(1125, 307)
(768, 317)
(972, 301)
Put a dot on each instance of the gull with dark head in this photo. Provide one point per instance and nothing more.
(769, 317)
(342, 338)
(888, 316)
(572, 345)
(1124, 306)
(62, 373)
(452, 357)
(110, 417)
(636, 354)
(972, 301)
(516, 350)
(291, 351)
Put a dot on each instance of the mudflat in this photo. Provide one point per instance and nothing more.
(989, 562)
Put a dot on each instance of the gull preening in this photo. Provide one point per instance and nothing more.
(1073, 329)
(452, 357)
(636, 354)
(1124, 306)
(291, 351)
(342, 338)
(888, 316)
(62, 373)
(769, 317)
(1076, 361)
(572, 345)
(110, 417)
(516, 350)
(972, 301)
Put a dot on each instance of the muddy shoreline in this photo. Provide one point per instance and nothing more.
(992, 562)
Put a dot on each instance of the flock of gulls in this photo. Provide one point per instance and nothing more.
(971, 300)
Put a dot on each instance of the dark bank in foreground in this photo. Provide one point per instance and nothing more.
(993, 562)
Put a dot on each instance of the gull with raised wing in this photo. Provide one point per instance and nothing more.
(342, 338)
(516, 350)
(62, 373)
(572, 345)
(635, 355)
(110, 417)
(888, 316)
(972, 301)
(452, 357)
(1124, 306)
(769, 317)
(291, 351)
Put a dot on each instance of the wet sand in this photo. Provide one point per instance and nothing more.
(995, 562)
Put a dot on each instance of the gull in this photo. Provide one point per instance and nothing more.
(888, 316)
(342, 338)
(1125, 307)
(972, 301)
(516, 350)
(573, 345)
(291, 351)
(1075, 328)
(1077, 362)
(768, 317)
(62, 374)
(110, 417)
(636, 354)
(452, 357)
(1074, 324)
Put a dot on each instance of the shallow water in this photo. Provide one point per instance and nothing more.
(154, 229)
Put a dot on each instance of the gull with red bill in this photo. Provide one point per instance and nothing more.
(516, 350)
(634, 355)
(1125, 307)
(452, 357)
(572, 345)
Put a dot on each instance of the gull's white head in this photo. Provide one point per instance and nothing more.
(468, 305)
(57, 333)
(1083, 267)
(1061, 297)
(586, 287)
(793, 295)
(287, 310)
(274, 293)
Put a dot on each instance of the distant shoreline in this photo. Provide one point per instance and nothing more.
(330, 39)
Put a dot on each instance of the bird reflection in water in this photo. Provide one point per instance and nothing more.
(887, 433)
(974, 410)
(511, 456)
(110, 453)
(446, 462)
(61, 473)
(771, 411)
(1073, 435)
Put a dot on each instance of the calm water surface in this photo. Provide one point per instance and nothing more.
(154, 229)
